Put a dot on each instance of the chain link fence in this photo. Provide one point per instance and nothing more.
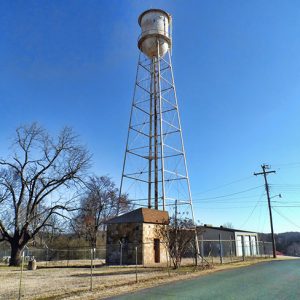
(55, 257)
(213, 251)
(225, 251)
(131, 262)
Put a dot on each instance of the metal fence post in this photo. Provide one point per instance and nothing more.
(121, 253)
(47, 255)
(136, 277)
(91, 280)
(202, 251)
(167, 257)
(243, 247)
(21, 276)
(230, 248)
(220, 249)
(68, 256)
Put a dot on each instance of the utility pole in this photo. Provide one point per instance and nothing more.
(265, 173)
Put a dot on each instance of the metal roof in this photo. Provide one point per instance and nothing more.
(153, 10)
(224, 229)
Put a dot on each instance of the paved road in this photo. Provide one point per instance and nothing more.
(271, 280)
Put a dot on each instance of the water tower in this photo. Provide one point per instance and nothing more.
(154, 172)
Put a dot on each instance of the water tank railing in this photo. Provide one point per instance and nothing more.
(153, 32)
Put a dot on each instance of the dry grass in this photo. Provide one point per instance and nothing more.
(74, 282)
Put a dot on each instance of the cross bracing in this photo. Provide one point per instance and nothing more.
(154, 171)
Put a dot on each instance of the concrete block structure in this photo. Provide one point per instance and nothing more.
(135, 236)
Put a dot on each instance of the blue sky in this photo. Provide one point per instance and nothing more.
(237, 73)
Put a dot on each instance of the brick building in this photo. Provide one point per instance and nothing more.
(138, 228)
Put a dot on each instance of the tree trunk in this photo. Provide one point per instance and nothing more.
(15, 254)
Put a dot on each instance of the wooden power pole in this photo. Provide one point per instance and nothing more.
(265, 173)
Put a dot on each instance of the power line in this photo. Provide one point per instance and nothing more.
(287, 202)
(231, 207)
(224, 196)
(286, 218)
(252, 211)
(285, 184)
(224, 185)
(259, 217)
(286, 206)
(287, 187)
(263, 224)
(227, 200)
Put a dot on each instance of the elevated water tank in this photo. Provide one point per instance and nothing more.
(155, 39)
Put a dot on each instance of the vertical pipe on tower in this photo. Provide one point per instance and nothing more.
(150, 139)
(161, 134)
(155, 136)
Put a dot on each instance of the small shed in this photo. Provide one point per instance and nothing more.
(234, 242)
(136, 236)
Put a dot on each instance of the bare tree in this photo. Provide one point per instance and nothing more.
(100, 203)
(228, 225)
(40, 167)
(56, 228)
(293, 249)
(179, 238)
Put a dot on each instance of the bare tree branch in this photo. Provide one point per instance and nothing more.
(100, 203)
(41, 166)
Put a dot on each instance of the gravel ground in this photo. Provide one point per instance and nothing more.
(74, 282)
(59, 283)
